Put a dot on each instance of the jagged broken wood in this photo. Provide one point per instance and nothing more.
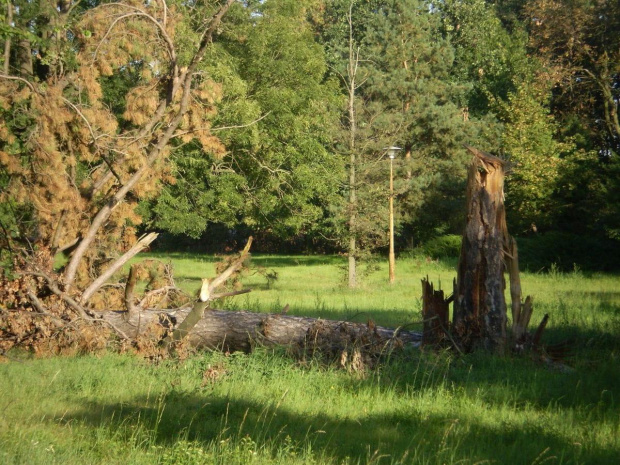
(206, 295)
(479, 304)
(435, 313)
(487, 251)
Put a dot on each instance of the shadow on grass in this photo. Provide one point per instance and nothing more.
(471, 408)
(210, 419)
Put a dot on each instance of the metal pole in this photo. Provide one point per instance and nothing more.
(391, 256)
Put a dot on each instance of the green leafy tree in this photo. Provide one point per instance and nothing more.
(537, 158)
(276, 118)
(490, 56)
(578, 43)
(356, 219)
(397, 73)
(411, 74)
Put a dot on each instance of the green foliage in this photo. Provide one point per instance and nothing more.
(116, 87)
(590, 190)
(489, 57)
(200, 194)
(448, 246)
(291, 174)
(405, 95)
(536, 158)
(276, 119)
(535, 81)
(565, 251)
(579, 43)
(411, 75)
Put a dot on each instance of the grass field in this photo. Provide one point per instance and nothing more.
(421, 407)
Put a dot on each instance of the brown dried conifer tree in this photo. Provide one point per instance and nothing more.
(75, 169)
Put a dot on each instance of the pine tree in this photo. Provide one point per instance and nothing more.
(69, 162)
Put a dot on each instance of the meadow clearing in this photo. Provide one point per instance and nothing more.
(419, 407)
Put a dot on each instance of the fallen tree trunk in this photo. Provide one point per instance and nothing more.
(241, 330)
(68, 325)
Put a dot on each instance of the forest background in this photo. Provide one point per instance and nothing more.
(126, 117)
(210, 121)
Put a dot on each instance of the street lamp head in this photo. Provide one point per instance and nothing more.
(392, 151)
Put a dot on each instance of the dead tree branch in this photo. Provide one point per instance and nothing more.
(142, 243)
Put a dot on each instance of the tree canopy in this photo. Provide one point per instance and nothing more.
(272, 116)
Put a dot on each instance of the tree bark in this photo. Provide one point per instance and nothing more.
(435, 312)
(24, 58)
(7, 42)
(352, 86)
(479, 304)
(129, 288)
(240, 331)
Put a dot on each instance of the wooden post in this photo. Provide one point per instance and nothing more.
(479, 304)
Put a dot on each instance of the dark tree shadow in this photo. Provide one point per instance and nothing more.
(203, 418)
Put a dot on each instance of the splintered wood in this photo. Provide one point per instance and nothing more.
(435, 312)
(479, 303)
(487, 250)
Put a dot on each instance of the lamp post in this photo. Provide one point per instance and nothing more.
(392, 153)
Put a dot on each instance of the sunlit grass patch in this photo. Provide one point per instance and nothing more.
(417, 407)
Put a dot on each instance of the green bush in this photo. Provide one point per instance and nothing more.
(565, 250)
(539, 252)
(448, 246)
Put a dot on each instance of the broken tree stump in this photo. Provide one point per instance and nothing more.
(435, 313)
(479, 305)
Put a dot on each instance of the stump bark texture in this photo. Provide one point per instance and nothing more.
(479, 304)
(435, 312)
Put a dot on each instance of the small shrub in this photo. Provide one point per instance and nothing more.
(562, 252)
(448, 246)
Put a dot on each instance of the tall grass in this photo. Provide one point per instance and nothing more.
(418, 407)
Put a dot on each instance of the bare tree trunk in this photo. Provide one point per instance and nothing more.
(7, 41)
(24, 58)
(351, 84)
(479, 303)
(240, 331)
(129, 288)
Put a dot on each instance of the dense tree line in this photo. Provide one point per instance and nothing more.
(271, 117)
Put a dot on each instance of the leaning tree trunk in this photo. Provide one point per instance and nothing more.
(479, 304)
